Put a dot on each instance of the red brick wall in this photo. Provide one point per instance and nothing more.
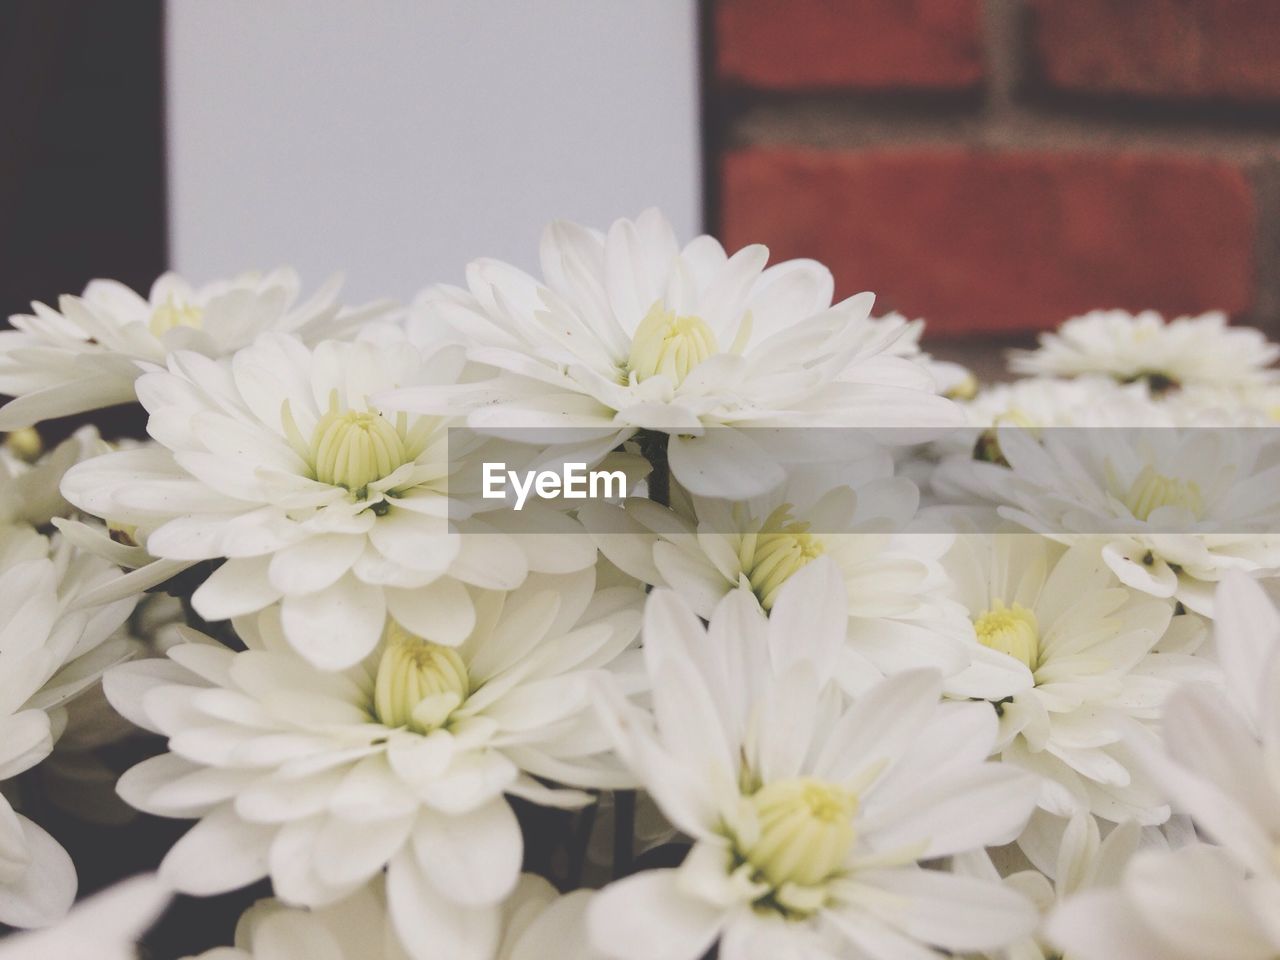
(998, 165)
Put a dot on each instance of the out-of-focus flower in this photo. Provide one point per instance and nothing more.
(536, 924)
(279, 462)
(319, 780)
(50, 651)
(1175, 508)
(29, 485)
(1082, 860)
(87, 354)
(104, 927)
(1218, 765)
(1184, 352)
(627, 331)
(809, 815)
(1098, 661)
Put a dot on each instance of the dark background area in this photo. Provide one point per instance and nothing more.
(82, 173)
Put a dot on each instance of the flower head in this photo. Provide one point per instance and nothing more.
(809, 814)
(1165, 354)
(1097, 660)
(628, 331)
(321, 780)
(87, 354)
(51, 650)
(278, 463)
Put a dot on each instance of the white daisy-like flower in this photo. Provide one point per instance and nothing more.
(953, 380)
(900, 616)
(280, 463)
(1175, 508)
(809, 815)
(104, 927)
(1098, 661)
(1041, 402)
(1187, 351)
(537, 924)
(320, 780)
(1219, 765)
(87, 354)
(50, 650)
(627, 331)
(1082, 859)
(29, 478)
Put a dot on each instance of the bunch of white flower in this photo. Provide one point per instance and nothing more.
(842, 657)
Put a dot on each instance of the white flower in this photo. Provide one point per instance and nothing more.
(86, 354)
(953, 380)
(1039, 403)
(1098, 660)
(1190, 904)
(628, 332)
(1166, 354)
(1219, 765)
(537, 924)
(1175, 507)
(1079, 858)
(50, 651)
(809, 815)
(104, 927)
(29, 484)
(278, 462)
(319, 780)
(900, 617)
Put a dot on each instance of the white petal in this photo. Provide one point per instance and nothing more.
(46, 889)
(430, 926)
(338, 627)
(956, 912)
(647, 916)
(473, 859)
(219, 854)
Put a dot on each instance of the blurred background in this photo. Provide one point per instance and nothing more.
(991, 165)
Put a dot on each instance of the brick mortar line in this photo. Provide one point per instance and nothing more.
(833, 126)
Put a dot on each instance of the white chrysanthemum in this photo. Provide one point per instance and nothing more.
(280, 463)
(1039, 403)
(29, 479)
(1098, 661)
(87, 354)
(104, 927)
(1175, 508)
(1219, 765)
(320, 780)
(628, 332)
(50, 651)
(1166, 354)
(537, 924)
(952, 379)
(900, 617)
(1082, 859)
(809, 815)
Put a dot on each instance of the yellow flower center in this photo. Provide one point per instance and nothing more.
(780, 548)
(1012, 630)
(1151, 490)
(352, 449)
(172, 314)
(671, 345)
(419, 683)
(25, 444)
(805, 830)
